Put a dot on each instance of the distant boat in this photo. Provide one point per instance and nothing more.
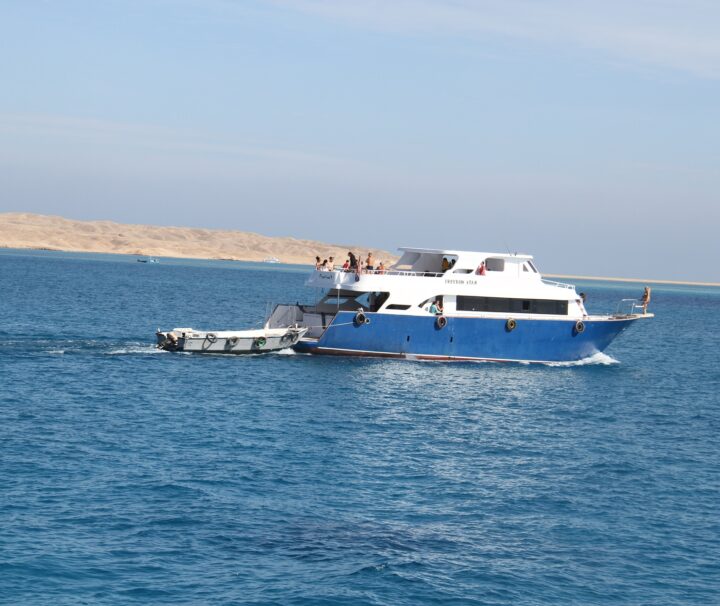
(149, 260)
(271, 260)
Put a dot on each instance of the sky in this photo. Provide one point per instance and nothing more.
(584, 133)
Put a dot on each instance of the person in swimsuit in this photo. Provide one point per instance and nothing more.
(369, 262)
(645, 299)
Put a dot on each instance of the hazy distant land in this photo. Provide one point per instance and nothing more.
(43, 232)
(26, 230)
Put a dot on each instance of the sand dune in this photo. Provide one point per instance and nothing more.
(26, 230)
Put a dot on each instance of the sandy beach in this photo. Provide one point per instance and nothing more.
(27, 230)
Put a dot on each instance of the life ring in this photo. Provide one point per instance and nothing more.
(361, 318)
(510, 325)
(441, 322)
(579, 326)
(211, 336)
(259, 342)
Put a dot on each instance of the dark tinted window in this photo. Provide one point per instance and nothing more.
(503, 305)
(397, 306)
(495, 264)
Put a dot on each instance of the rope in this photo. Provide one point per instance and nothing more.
(329, 325)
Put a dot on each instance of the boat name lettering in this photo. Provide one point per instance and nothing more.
(453, 281)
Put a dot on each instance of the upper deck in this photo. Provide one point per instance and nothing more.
(446, 272)
(431, 259)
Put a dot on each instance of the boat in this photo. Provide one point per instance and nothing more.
(271, 260)
(438, 304)
(149, 260)
(261, 340)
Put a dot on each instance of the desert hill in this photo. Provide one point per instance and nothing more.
(27, 230)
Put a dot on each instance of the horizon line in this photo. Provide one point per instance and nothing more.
(564, 276)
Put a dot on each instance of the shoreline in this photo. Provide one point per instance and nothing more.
(634, 280)
(47, 232)
(181, 256)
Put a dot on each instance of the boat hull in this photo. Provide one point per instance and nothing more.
(228, 342)
(465, 338)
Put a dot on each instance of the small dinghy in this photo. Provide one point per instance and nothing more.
(261, 340)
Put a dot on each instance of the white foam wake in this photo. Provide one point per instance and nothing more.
(288, 351)
(136, 349)
(599, 358)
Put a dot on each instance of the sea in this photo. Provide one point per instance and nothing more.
(134, 476)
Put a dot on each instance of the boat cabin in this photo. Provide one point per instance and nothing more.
(432, 262)
(450, 282)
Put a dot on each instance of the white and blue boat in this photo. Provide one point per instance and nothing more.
(436, 304)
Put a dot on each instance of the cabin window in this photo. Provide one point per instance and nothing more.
(464, 271)
(398, 306)
(530, 263)
(372, 301)
(525, 267)
(494, 264)
(428, 302)
(506, 305)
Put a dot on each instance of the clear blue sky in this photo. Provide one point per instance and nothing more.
(585, 133)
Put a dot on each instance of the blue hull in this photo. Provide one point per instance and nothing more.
(392, 335)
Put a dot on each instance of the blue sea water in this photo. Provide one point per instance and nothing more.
(132, 476)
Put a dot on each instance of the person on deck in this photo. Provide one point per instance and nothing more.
(369, 263)
(353, 261)
(645, 299)
(317, 263)
(331, 264)
(480, 271)
(445, 264)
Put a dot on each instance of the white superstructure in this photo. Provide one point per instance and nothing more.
(412, 284)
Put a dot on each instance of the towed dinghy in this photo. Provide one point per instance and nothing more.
(260, 340)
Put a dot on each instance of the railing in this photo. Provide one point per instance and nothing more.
(421, 274)
(385, 272)
(558, 284)
(629, 307)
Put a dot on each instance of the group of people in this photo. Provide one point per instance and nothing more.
(352, 264)
(325, 265)
(448, 264)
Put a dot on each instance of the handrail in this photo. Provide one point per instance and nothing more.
(385, 272)
(634, 305)
(559, 284)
